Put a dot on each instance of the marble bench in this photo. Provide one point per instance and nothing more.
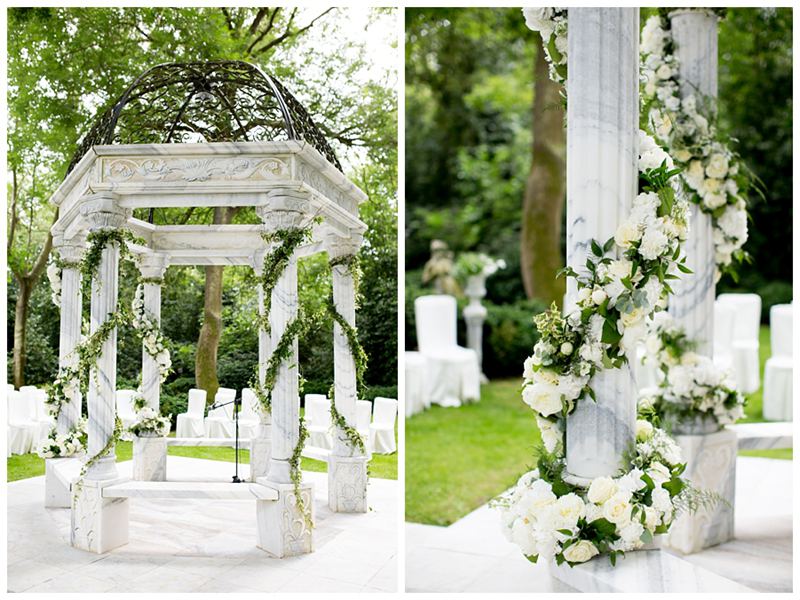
(190, 489)
(60, 474)
(207, 442)
(763, 436)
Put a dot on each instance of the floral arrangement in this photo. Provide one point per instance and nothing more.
(470, 264)
(692, 385)
(713, 175)
(153, 340)
(57, 445)
(54, 277)
(548, 517)
(551, 24)
(149, 423)
(613, 297)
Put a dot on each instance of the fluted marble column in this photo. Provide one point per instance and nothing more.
(287, 209)
(344, 367)
(71, 253)
(261, 444)
(692, 304)
(102, 212)
(152, 267)
(602, 138)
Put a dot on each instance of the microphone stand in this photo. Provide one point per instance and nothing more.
(236, 402)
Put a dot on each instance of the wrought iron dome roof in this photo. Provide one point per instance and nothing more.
(215, 101)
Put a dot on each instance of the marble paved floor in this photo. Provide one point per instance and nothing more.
(201, 545)
(473, 556)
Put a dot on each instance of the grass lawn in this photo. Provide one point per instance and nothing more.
(22, 466)
(459, 458)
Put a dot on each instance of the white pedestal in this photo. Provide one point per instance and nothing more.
(150, 458)
(710, 465)
(57, 492)
(260, 451)
(347, 484)
(282, 530)
(98, 524)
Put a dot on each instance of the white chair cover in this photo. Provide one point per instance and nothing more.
(416, 371)
(724, 315)
(363, 419)
(453, 372)
(190, 424)
(645, 373)
(21, 427)
(382, 429)
(746, 323)
(318, 417)
(219, 422)
(779, 368)
(124, 401)
(248, 415)
(36, 410)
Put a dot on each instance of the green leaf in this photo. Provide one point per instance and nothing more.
(608, 245)
(610, 333)
(596, 249)
(564, 531)
(646, 537)
(532, 557)
(604, 527)
(683, 268)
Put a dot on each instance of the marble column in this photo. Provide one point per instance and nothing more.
(692, 304)
(602, 152)
(710, 458)
(282, 528)
(152, 267)
(102, 212)
(71, 252)
(347, 466)
(261, 444)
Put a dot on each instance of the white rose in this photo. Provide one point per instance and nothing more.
(522, 535)
(601, 489)
(661, 500)
(651, 518)
(644, 430)
(580, 552)
(537, 497)
(528, 370)
(658, 473)
(569, 508)
(664, 72)
(592, 353)
(717, 166)
(627, 233)
(617, 509)
(551, 433)
(584, 294)
(632, 533)
(695, 174)
(566, 348)
(598, 296)
(544, 398)
(682, 155)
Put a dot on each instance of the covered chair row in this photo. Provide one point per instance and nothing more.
(29, 421)
(219, 423)
(780, 366)
(375, 425)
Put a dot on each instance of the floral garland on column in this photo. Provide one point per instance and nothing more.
(713, 175)
(149, 330)
(693, 386)
(55, 266)
(544, 514)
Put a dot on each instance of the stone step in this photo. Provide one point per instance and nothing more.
(763, 436)
(190, 489)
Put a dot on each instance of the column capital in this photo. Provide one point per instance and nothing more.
(152, 266)
(70, 250)
(102, 211)
(284, 209)
(338, 246)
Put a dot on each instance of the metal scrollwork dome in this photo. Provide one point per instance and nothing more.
(216, 101)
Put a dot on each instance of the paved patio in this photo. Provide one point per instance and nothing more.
(201, 545)
(472, 555)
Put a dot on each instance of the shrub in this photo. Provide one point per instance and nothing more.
(509, 336)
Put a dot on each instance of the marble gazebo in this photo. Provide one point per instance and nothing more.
(257, 148)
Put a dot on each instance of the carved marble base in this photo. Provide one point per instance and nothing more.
(710, 465)
(643, 571)
(98, 524)
(260, 452)
(150, 458)
(57, 492)
(282, 530)
(347, 484)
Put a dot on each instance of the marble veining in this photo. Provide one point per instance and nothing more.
(70, 327)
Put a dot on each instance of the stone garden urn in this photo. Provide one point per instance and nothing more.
(475, 315)
(149, 457)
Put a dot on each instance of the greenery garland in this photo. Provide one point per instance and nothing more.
(284, 242)
(98, 240)
(296, 473)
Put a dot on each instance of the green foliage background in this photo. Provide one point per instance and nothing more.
(66, 65)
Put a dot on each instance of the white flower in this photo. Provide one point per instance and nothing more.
(599, 296)
(581, 551)
(551, 433)
(658, 473)
(528, 370)
(661, 500)
(681, 155)
(591, 353)
(569, 508)
(733, 223)
(664, 72)
(654, 243)
(584, 294)
(540, 19)
(627, 233)
(601, 489)
(566, 348)
(537, 497)
(644, 430)
(632, 533)
(544, 398)
(617, 509)
(717, 166)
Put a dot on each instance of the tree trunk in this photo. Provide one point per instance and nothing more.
(20, 320)
(543, 205)
(205, 365)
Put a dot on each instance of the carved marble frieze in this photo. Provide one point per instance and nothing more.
(193, 170)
